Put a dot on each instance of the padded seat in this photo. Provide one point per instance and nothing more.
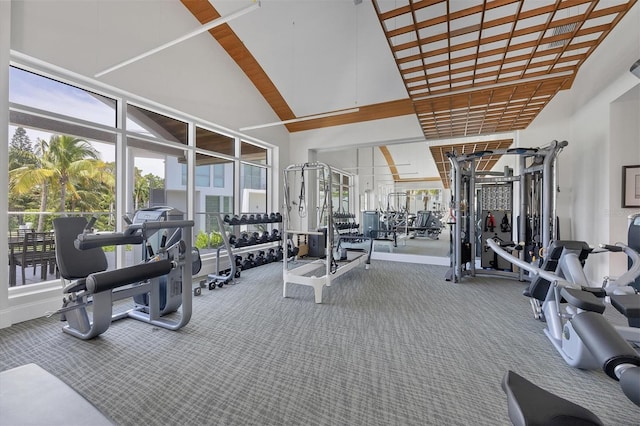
(30, 395)
(582, 299)
(531, 405)
(629, 306)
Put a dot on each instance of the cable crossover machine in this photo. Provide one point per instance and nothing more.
(341, 252)
(485, 208)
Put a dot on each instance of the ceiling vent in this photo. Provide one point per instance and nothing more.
(562, 29)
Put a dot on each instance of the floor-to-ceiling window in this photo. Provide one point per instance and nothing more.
(71, 153)
(61, 161)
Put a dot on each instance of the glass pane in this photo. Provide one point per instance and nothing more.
(203, 176)
(40, 92)
(152, 124)
(38, 162)
(157, 182)
(253, 153)
(253, 189)
(345, 199)
(335, 198)
(211, 141)
(212, 200)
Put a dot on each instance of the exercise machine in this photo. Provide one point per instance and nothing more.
(633, 241)
(529, 404)
(339, 254)
(427, 224)
(156, 284)
(533, 214)
(559, 291)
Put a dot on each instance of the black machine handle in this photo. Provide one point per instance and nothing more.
(90, 224)
(89, 241)
(610, 247)
(167, 224)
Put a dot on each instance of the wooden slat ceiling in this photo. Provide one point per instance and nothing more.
(475, 67)
(470, 67)
(485, 163)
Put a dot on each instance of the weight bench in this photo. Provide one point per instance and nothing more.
(30, 395)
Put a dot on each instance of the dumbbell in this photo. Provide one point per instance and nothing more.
(279, 253)
(275, 235)
(271, 256)
(265, 237)
(232, 240)
(248, 262)
(243, 241)
(238, 260)
(227, 218)
(260, 259)
(254, 238)
(278, 217)
(244, 219)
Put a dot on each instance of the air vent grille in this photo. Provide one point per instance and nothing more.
(562, 29)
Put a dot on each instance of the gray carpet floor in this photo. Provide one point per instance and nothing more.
(392, 345)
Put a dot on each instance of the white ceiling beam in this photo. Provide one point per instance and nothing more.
(206, 27)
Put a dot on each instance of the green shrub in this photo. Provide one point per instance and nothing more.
(215, 239)
(202, 240)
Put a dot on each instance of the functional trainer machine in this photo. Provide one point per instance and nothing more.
(340, 254)
(536, 226)
(156, 284)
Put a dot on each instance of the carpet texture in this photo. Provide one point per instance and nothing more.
(392, 345)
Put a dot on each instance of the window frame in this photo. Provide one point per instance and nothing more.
(119, 135)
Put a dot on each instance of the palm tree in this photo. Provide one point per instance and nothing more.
(65, 164)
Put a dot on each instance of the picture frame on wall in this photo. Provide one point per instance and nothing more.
(631, 186)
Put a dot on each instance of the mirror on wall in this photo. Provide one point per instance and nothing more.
(413, 221)
(406, 205)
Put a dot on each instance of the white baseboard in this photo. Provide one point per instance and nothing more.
(410, 258)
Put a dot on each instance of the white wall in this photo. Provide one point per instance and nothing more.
(5, 31)
(624, 136)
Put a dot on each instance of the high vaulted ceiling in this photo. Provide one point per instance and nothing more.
(476, 66)
(462, 67)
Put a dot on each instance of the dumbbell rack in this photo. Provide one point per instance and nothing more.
(345, 224)
(233, 272)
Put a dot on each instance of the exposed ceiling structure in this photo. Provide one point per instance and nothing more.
(484, 164)
(474, 67)
(467, 67)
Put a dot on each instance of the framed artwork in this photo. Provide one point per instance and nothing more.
(631, 186)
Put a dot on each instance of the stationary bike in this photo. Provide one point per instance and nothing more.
(559, 290)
